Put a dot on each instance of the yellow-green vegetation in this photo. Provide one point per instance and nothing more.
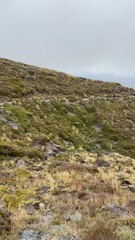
(67, 155)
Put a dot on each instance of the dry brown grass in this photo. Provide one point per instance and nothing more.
(100, 230)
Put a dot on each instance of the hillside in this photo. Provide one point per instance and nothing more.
(67, 149)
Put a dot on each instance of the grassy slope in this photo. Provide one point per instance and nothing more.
(94, 115)
(88, 119)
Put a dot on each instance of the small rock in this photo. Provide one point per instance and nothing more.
(43, 190)
(57, 228)
(97, 128)
(70, 237)
(3, 103)
(79, 159)
(2, 204)
(45, 219)
(30, 209)
(30, 234)
(101, 163)
(45, 237)
(75, 217)
(41, 206)
(21, 164)
(125, 183)
(114, 209)
(2, 118)
(12, 125)
(53, 149)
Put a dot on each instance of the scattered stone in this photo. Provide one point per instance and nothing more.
(53, 149)
(2, 118)
(113, 208)
(30, 234)
(97, 128)
(70, 237)
(42, 190)
(41, 206)
(57, 228)
(30, 209)
(75, 217)
(82, 161)
(62, 75)
(46, 101)
(2, 204)
(79, 159)
(3, 103)
(71, 114)
(101, 163)
(45, 219)
(126, 183)
(45, 237)
(12, 125)
(21, 164)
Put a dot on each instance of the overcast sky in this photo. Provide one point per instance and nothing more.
(92, 38)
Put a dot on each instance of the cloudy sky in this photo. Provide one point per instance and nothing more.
(92, 38)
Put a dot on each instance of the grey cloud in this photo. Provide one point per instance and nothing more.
(88, 37)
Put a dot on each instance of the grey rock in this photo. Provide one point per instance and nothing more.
(2, 204)
(46, 101)
(70, 237)
(113, 208)
(101, 163)
(12, 125)
(126, 183)
(2, 118)
(75, 217)
(71, 114)
(30, 234)
(43, 190)
(41, 206)
(97, 128)
(30, 209)
(57, 228)
(3, 103)
(45, 237)
(53, 149)
(21, 163)
(44, 220)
